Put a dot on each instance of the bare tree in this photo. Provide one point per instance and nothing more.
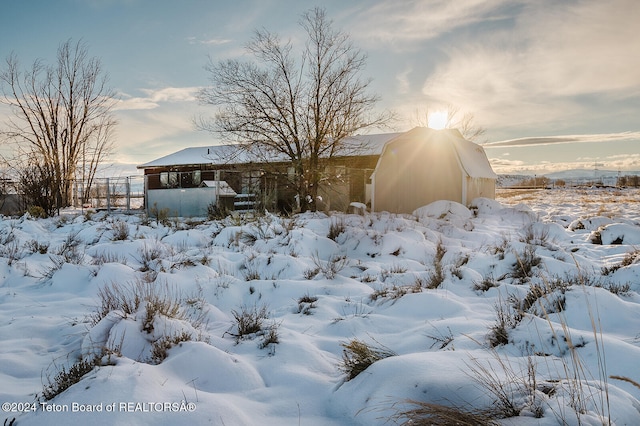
(62, 115)
(299, 111)
(463, 121)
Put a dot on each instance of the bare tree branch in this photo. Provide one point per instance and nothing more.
(463, 122)
(61, 115)
(281, 109)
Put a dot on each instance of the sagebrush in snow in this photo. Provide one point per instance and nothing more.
(331, 267)
(65, 378)
(357, 356)
(526, 260)
(249, 320)
(506, 319)
(120, 230)
(306, 303)
(336, 227)
(420, 413)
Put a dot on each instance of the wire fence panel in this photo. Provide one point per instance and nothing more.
(121, 193)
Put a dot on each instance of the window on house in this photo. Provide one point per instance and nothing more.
(164, 179)
(173, 179)
(251, 182)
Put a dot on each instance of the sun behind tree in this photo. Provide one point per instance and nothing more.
(438, 120)
(450, 118)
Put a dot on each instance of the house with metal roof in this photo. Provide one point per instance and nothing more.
(395, 172)
(188, 182)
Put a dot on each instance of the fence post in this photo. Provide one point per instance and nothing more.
(145, 201)
(108, 197)
(128, 189)
(217, 177)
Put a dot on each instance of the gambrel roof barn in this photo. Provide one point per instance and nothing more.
(425, 165)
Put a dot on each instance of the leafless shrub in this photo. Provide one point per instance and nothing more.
(526, 260)
(65, 378)
(541, 299)
(500, 249)
(270, 337)
(148, 254)
(456, 269)
(34, 246)
(368, 278)
(533, 236)
(70, 243)
(486, 283)
(331, 267)
(11, 252)
(251, 273)
(441, 339)
(618, 289)
(120, 230)
(506, 319)
(161, 215)
(436, 276)
(514, 389)
(357, 356)
(306, 303)
(430, 414)
(396, 291)
(7, 235)
(160, 347)
(311, 273)
(156, 299)
(69, 250)
(247, 238)
(248, 321)
(109, 257)
(628, 260)
(336, 227)
(56, 264)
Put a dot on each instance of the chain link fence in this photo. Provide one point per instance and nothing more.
(113, 193)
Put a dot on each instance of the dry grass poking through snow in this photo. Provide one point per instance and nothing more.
(497, 311)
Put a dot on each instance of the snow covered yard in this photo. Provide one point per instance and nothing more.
(521, 311)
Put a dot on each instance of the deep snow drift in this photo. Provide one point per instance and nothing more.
(535, 295)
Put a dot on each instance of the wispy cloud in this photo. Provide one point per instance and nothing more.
(536, 70)
(548, 140)
(402, 79)
(155, 97)
(209, 42)
(623, 163)
(400, 23)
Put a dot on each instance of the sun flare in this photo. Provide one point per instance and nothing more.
(438, 119)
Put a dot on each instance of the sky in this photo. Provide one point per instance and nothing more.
(555, 84)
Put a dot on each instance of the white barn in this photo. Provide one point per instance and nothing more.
(425, 165)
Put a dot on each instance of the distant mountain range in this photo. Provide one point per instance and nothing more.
(608, 177)
(589, 174)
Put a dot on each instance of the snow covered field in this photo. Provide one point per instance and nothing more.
(527, 305)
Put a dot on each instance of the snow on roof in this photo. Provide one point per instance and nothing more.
(359, 145)
(196, 156)
(472, 157)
